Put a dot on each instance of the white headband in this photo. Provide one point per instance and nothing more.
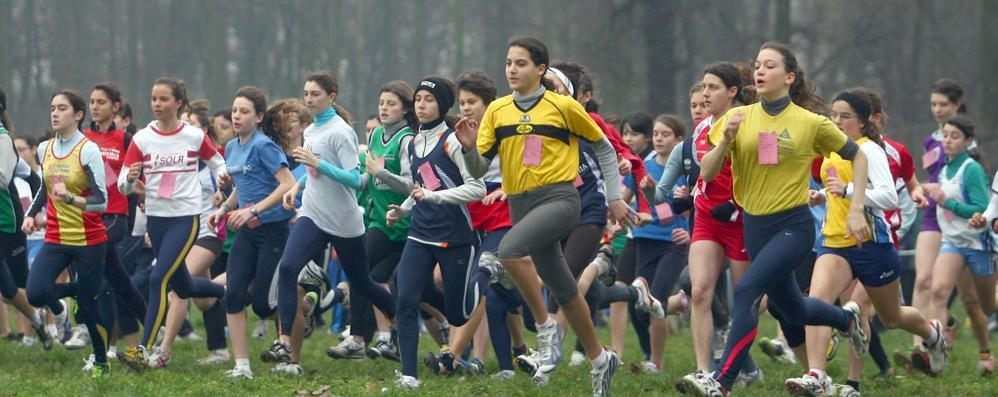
(564, 80)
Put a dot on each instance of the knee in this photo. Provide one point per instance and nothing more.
(942, 294)
(261, 306)
(234, 301)
(37, 297)
(288, 271)
(702, 296)
(923, 282)
(794, 334)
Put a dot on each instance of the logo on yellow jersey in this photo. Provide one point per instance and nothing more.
(524, 128)
(525, 118)
(786, 143)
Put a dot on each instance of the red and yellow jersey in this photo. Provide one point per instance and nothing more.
(66, 223)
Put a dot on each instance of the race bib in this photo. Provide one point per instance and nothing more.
(167, 182)
(430, 180)
(768, 148)
(532, 146)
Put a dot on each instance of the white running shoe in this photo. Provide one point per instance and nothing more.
(405, 382)
(746, 379)
(260, 330)
(88, 363)
(549, 340)
(349, 349)
(288, 369)
(159, 358)
(810, 384)
(840, 390)
(505, 374)
(79, 339)
(240, 372)
(577, 359)
(604, 374)
(858, 340)
(62, 321)
(216, 357)
(646, 301)
(700, 384)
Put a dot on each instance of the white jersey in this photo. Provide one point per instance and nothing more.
(170, 166)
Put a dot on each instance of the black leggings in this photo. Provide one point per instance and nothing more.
(253, 263)
(89, 264)
(660, 262)
(383, 257)
(13, 263)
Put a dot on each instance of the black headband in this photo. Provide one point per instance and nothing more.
(860, 105)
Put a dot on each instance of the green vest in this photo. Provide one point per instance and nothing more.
(381, 194)
(8, 221)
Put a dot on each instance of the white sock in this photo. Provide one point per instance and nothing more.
(113, 350)
(384, 336)
(549, 324)
(242, 363)
(600, 360)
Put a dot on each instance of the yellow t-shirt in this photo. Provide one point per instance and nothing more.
(834, 229)
(801, 136)
(537, 146)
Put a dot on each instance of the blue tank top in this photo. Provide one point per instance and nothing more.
(656, 230)
(439, 224)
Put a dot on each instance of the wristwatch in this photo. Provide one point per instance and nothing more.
(253, 210)
(70, 198)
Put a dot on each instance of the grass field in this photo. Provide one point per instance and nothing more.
(34, 372)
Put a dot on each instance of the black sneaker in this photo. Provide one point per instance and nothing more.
(278, 353)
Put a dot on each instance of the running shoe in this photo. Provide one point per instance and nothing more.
(840, 390)
(38, 324)
(833, 346)
(240, 372)
(288, 369)
(216, 357)
(497, 272)
(279, 352)
(79, 339)
(810, 384)
(701, 384)
(720, 338)
(348, 349)
(62, 321)
(647, 302)
(312, 274)
(550, 338)
(938, 353)
(645, 367)
(775, 349)
(88, 363)
(135, 358)
(603, 375)
(858, 340)
(985, 364)
(159, 358)
(405, 382)
(747, 378)
(577, 359)
(100, 370)
(260, 330)
(308, 310)
(505, 374)
(387, 349)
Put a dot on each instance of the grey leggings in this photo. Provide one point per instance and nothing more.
(542, 217)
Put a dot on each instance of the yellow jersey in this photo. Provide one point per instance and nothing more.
(536, 146)
(801, 136)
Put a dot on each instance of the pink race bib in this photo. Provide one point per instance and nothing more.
(930, 158)
(768, 148)
(167, 182)
(430, 180)
(578, 181)
(532, 146)
(948, 215)
(311, 171)
(664, 213)
(110, 175)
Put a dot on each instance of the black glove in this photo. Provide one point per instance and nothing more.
(726, 212)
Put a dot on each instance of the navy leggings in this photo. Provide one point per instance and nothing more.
(777, 244)
(172, 238)
(89, 264)
(464, 284)
(252, 263)
(307, 241)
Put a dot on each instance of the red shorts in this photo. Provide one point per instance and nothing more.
(729, 235)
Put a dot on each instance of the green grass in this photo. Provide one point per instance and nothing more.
(34, 372)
